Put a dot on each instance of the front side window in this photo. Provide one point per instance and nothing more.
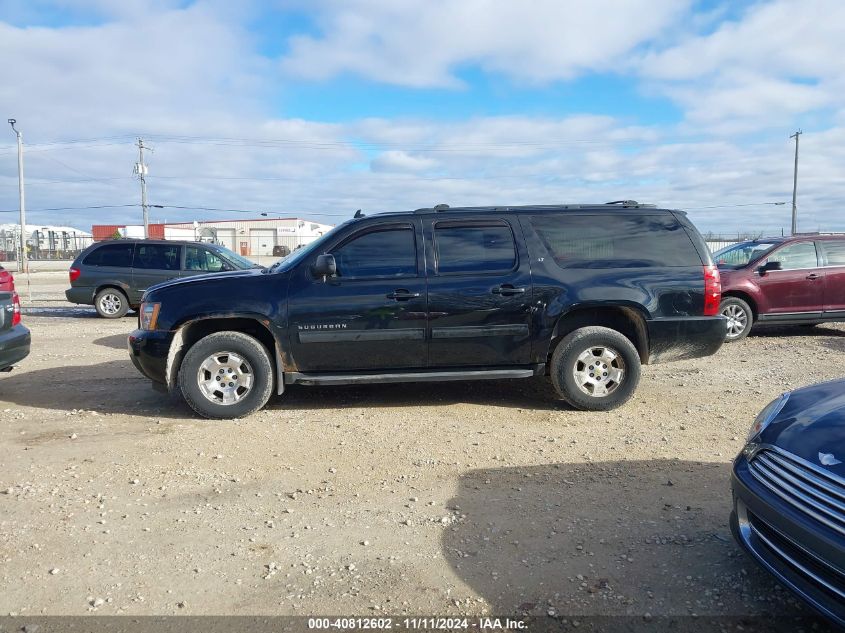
(197, 258)
(796, 256)
(474, 248)
(381, 253)
(834, 252)
(157, 256)
(119, 255)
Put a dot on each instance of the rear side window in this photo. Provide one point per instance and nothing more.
(118, 255)
(834, 252)
(796, 256)
(157, 256)
(474, 248)
(615, 241)
(385, 253)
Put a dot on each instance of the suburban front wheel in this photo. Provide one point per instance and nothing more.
(595, 368)
(111, 303)
(740, 318)
(226, 375)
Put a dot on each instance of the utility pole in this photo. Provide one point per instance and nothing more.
(795, 185)
(141, 170)
(22, 260)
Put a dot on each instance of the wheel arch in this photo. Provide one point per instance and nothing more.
(115, 285)
(739, 294)
(192, 331)
(628, 320)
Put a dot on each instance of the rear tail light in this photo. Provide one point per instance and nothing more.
(74, 273)
(16, 315)
(712, 290)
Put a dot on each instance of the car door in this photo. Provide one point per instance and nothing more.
(153, 263)
(479, 293)
(797, 288)
(833, 258)
(372, 314)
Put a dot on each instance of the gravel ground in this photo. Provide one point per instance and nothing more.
(453, 498)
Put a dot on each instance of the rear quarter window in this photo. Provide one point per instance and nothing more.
(615, 240)
(118, 255)
(834, 251)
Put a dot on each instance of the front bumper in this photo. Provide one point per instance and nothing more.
(683, 338)
(804, 555)
(148, 350)
(81, 295)
(14, 346)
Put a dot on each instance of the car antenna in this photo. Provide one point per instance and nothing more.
(358, 214)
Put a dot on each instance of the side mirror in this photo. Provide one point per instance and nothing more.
(325, 266)
(772, 265)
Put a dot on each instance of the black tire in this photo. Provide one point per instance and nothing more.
(568, 358)
(740, 318)
(223, 344)
(111, 303)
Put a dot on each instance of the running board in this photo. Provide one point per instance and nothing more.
(297, 378)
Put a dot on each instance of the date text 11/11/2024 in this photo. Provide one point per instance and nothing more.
(416, 624)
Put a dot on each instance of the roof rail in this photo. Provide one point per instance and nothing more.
(632, 203)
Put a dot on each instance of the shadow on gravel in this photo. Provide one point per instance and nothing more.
(624, 538)
(769, 331)
(115, 341)
(529, 393)
(111, 387)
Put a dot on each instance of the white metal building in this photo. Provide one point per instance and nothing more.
(249, 237)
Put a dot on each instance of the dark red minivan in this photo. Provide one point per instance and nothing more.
(797, 280)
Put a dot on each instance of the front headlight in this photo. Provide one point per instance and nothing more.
(765, 417)
(148, 315)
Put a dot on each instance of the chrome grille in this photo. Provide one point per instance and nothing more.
(803, 562)
(803, 485)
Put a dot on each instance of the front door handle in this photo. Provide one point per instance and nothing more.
(507, 290)
(400, 294)
(813, 276)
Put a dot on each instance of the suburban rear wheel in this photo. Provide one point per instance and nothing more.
(595, 368)
(740, 318)
(226, 375)
(111, 303)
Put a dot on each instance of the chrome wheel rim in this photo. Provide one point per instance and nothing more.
(225, 378)
(110, 303)
(599, 371)
(737, 320)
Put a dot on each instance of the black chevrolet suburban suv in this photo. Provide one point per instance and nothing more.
(582, 293)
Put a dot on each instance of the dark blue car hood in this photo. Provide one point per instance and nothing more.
(198, 279)
(812, 426)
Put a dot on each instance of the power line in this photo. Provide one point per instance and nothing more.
(96, 206)
(733, 206)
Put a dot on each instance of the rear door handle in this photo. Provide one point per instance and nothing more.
(506, 290)
(813, 276)
(400, 294)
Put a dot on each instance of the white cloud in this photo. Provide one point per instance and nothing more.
(779, 60)
(195, 73)
(425, 43)
(393, 160)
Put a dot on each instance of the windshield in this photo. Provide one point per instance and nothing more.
(285, 263)
(742, 254)
(238, 260)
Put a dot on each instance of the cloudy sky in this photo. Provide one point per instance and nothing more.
(319, 107)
